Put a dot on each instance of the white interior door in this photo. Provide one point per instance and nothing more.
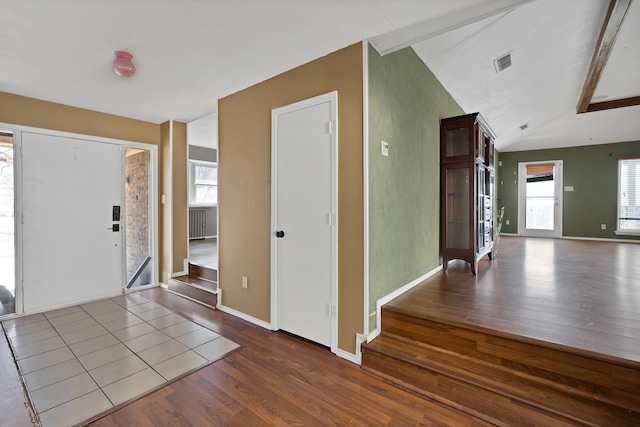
(304, 206)
(71, 253)
(540, 199)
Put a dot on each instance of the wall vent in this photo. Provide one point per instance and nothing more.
(503, 62)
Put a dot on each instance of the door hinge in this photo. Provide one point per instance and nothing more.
(329, 310)
(329, 219)
(330, 127)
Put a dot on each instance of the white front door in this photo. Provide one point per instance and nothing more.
(304, 256)
(71, 253)
(540, 199)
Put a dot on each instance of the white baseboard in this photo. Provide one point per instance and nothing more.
(598, 239)
(510, 234)
(354, 358)
(387, 298)
(373, 335)
(244, 316)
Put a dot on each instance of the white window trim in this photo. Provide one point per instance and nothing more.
(618, 231)
(191, 185)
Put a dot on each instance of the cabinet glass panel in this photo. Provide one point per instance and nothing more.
(480, 144)
(457, 220)
(457, 142)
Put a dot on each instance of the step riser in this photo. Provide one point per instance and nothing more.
(607, 380)
(203, 272)
(495, 408)
(185, 289)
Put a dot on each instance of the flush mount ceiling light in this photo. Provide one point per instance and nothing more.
(122, 65)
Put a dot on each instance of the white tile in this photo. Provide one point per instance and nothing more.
(61, 392)
(38, 347)
(116, 325)
(162, 352)
(67, 328)
(140, 308)
(145, 341)
(132, 332)
(133, 386)
(100, 307)
(76, 411)
(53, 374)
(20, 340)
(130, 300)
(154, 313)
(180, 364)
(42, 360)
(24, 320)
(166, 321)
(104, 356)
(68, 318)
(28, 328)
(117, 370)
(214, 350)
(196, 338)
(112, 315)
(180, 329)
(94, 344)
(84, 334)
(62, 311)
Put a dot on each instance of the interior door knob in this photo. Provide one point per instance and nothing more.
(279, 233)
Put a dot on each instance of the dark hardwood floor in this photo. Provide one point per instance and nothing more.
(573, 293)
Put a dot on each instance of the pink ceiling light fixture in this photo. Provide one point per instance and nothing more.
(122, 65)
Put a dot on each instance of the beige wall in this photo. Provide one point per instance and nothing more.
(245, 187)
(180, 202)
(20, 110)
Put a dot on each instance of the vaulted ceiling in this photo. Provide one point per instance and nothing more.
(190, 53)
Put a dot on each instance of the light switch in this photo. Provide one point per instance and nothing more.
(385, 148)
(568, 188)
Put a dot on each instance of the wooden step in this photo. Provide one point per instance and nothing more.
(501, 394)
(197, 292)
(506, 379)
(203, 272)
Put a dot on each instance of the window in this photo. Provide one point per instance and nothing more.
(629, 195)
(203, 183)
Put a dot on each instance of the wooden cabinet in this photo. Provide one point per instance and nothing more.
(467, 189)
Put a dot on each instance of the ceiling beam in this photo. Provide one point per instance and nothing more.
(396, 40)
(616, 103)
(610, 28)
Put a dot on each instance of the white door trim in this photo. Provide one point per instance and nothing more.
(558, 181)
(153, 196)
(331, 97)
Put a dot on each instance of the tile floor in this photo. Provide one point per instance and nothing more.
(79, 361)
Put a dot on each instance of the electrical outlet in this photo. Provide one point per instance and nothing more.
(507, 222)
(603, 226)
(245, 282)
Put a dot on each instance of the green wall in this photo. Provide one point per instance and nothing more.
(406, 103)
(592, 170)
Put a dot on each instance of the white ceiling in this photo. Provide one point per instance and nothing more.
(190, 53)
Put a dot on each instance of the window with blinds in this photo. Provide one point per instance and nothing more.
(629, 195)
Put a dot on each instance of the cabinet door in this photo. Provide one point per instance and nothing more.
(457, 143)
(457, 199)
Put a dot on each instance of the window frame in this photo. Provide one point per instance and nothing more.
(192, 184)
(624, 231)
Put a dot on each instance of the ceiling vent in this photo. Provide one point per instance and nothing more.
(503, 62)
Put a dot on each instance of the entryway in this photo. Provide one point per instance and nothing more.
(540, 199)
(84, 218)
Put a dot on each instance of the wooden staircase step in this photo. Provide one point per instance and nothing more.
(607, 377)
(204, 293)
(203, 272)
(501, 394)
(198, 282)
